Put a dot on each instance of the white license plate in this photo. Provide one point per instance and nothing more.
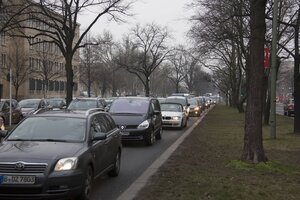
(124, 133)
(8, 179)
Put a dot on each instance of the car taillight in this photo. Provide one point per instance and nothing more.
(291, 106)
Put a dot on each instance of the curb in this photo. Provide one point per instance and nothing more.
(132, 191)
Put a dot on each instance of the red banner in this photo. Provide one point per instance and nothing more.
(266, 58)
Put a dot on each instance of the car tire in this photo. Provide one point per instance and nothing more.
(150, 138)
(117, 165)
(87, 187)
(158, 135)
(185, 124)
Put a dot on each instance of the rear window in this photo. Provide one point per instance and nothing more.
(139, 106)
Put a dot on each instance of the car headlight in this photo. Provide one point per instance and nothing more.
(176, 118)
(66, 164)
(144, 124)
(197, 108)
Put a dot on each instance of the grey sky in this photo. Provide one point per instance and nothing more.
(170, 13)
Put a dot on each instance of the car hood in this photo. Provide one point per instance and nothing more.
(28, 151)
(170, 114)
(128, 119)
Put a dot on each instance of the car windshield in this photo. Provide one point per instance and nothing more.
(50, 128)
(56, 102)
(193, 101)
(82, 104)
(171, 107)
(139, 106)
(29, 103)
(176, 100)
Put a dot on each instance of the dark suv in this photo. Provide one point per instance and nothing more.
(139, 118)
(57, 154)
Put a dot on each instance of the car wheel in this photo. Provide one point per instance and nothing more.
(158, 135)
(87, 187)
(117, 165)
(150, 138)
(185, 124)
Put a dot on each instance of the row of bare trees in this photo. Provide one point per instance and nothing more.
(233, 35)
(144, 53)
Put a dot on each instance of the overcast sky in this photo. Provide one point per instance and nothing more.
(170, 13)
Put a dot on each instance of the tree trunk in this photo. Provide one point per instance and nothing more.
(297, 79)
(253, 145)
(147, 86)
(69, 74)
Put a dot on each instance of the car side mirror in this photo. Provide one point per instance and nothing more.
(99, 136)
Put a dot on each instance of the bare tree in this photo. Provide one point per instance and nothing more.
(145, 53)
(17, 62)
(177, 67)
(57, 22)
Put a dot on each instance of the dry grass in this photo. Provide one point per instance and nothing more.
(207, 166)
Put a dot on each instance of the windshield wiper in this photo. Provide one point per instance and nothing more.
(49, 140)
(18, 139)
(135, 114)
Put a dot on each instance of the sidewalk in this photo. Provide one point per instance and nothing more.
(206, 165)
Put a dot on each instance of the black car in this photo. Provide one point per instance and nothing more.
(139, 118)
(57, 154)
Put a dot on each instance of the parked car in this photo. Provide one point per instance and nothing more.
(16, 114)
(86, 103)
(288, 107)
(179, 99)
(29, 106)
(195, 107)
(173, 115)
(58, 154)
(139, 118)
(57, 103)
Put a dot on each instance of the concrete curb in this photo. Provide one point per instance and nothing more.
(141, 181)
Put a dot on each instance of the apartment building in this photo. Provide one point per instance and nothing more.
(38, 68)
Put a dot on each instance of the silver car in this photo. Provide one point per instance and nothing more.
(173, 115)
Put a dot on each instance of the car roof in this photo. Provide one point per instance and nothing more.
(69, 113)
(135, 97)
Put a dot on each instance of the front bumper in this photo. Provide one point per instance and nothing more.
(134, 134)
(171, 123)
(58, 185)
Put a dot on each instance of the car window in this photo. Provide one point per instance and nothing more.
(29, 103)
(111, 121)
(51, 128)
(105, 124)
(171, 107)
(139, 106)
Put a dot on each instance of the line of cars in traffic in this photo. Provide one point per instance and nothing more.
(57, 152)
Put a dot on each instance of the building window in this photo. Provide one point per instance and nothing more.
(31, 84)
(3, 60)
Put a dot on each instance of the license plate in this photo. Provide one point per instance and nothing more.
(8, 179)
(124, 133)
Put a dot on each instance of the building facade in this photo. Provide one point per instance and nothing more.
(38, 67)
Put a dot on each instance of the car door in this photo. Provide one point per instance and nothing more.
(156, 114)
(99, 147)
(114, 137)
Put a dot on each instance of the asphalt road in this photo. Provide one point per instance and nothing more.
(136, 158)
